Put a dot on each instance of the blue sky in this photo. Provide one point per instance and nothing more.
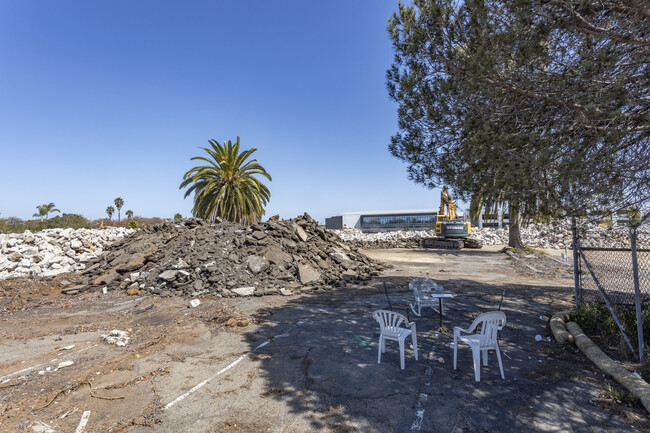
(107, 99)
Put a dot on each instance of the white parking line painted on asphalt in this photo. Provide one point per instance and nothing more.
(232, 364)
(43, 363)
(83, 422)
(423, 397)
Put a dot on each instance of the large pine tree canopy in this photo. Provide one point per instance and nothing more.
(544, 104)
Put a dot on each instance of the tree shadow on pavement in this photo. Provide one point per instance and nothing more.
(321, 363)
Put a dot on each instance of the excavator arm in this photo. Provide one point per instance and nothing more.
(447, 202)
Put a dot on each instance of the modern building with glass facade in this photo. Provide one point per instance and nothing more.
(417, 219)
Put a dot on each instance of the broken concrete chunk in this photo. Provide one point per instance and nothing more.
(195, 303)
(65, 364)
(300, 232)
(244, 291)
(116, 337)
(307, 274)
(169, 275)
(256, 264)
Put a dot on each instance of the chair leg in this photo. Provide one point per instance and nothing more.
(417, 313)
(381, 340)
(485, 356)
(477, 363)
(455, 351)
(414, 339)
(500, 363)
(401, 353)
(442, 307)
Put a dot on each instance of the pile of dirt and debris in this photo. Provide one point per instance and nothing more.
(193, 257)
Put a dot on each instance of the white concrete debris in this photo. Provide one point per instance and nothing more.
(555, 235)
(65, 364)
(53, 251)
(117, 337)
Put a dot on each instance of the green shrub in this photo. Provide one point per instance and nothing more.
(133, 224)
(178, 217)
(596, 317)
(16, 225)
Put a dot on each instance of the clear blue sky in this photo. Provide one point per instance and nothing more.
(107, 99)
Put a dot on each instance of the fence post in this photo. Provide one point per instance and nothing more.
(576, 271)
(637, 292)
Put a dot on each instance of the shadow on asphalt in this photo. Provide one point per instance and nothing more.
(322, 361)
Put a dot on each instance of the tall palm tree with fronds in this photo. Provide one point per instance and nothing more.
(110, 211)
(45, 209)
(226, 187)
(118, 204)
(129, 214)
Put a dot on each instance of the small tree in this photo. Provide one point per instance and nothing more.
(110, 211)
(129, 214)
(178, 217)
(45, 209)
(118, 204)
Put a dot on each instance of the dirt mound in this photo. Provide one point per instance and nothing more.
(193, 257)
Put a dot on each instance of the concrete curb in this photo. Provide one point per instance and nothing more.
(558, 327)
(638, 387)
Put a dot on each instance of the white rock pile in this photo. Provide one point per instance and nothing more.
(53, 251)
(555, 235)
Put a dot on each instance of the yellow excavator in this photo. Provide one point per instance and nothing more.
(451, 232)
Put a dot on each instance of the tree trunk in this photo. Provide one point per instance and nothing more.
(514, 235)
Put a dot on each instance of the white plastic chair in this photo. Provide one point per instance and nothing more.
(389, 325)
(491, 323)
(422, 288)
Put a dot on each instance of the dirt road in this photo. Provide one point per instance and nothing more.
(299, 363)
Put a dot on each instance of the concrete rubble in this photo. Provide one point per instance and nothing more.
(53, 251)
(223, 259)
(555, 235)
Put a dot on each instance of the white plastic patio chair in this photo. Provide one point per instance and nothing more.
(422, 288)
(486, 339)
(390, 329)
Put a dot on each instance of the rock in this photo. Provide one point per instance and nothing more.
(307, 274)
(339, 256)
(231, 322)
(256, 264)
(244, 291)
(133, 291)
(195, 303)
(169, 275)
(300, 232)
(243, 322)
(15, 256)
(285, 292)
(276, 256)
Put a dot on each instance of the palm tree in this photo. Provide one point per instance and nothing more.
(110, 210)
(118, 204)
(226, 187)
(129, 214)
(45, 209)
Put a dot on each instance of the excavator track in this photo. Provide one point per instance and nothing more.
(455, 244)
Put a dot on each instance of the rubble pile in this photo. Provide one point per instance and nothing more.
(224, 259)
(557, 235)
(53, 251)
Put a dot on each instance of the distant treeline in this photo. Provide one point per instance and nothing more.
(73, 221)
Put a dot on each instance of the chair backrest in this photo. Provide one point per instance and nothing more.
(389, 321)
(423, 284)
(491, 323)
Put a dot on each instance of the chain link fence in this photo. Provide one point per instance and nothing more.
(614, 270)
(617, 277)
